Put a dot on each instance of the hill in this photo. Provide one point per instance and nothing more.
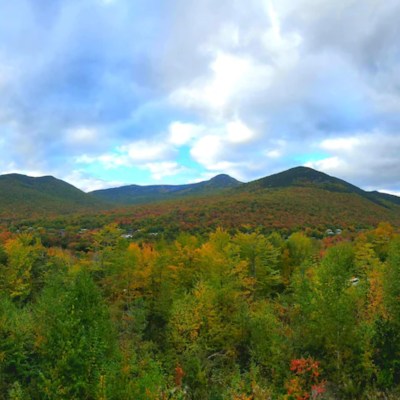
(308, 177)
(298, 198)
(136, 194)
(22, 195)
(302, 177)
(291, 208)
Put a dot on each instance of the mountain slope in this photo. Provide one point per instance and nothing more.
(289, 208)
(303, 177)
(136, 194)
(308, 177)
(293, 199)
(25, 195)
(385, 197)
(300, 198)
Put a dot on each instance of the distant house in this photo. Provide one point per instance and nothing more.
(332, 232)
(354, 281)
(127, 236)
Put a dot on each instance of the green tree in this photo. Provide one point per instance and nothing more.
(74, 340)
(300, 249)
(16, 348)
(387, 340)
(23, 274)
(263, 262)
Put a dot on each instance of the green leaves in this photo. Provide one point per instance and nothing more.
(23, 274)
(75, 338)
(198, 318)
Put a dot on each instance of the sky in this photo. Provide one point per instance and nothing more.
(103, 93)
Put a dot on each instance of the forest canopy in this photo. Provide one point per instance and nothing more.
(229, 315)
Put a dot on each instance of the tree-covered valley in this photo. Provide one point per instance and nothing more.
(276, 291)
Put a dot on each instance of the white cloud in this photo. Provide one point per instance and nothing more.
(245, 62)
(214, 153)
(238, 132)
(108, 161)
(228, 70)
(136, 153)
(341, 144)
(329, 164)
(82, 135)
(160, 170)
(207, 150)
(274, 153)
(87, 183)
(283, 48)
(146, 151)
(181, 133)
(233, 147)
(230, 75)
(155, 157)
(369, 159)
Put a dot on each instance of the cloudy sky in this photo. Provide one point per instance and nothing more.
(107, 92)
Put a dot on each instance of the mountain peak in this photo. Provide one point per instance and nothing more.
(135, 194)
(26, 178)
(224, 180)
(41, 195)
(304, 177)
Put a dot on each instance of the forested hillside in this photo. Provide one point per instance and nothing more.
(285, 209)
(22, 196)
(136, 194)
(237, 315)
(296, 199)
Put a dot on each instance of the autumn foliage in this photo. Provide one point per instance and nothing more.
(306, 383)
(231, 314)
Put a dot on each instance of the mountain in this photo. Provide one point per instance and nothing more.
(385, 197)
(136, 194)
(308, 177)
(24, 195)
(296, 199)
(302, 177)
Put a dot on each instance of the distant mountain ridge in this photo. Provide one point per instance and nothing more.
(297, 199)
(136, 194)
(25, 195)
(302, 189)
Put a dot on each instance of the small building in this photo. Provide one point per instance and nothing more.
(354, 281)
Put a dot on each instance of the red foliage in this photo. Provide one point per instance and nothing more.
(306, 384)
(179, 374)
(5, 235)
